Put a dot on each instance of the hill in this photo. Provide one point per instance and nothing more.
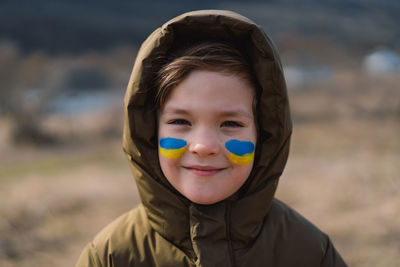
(71, 26)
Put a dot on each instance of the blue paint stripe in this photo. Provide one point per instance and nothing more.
(172, 143)
(239, 148)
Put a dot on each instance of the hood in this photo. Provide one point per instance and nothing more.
(169, 213)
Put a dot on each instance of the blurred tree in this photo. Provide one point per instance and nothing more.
(33, 85)
(19, 78)
(87, 79)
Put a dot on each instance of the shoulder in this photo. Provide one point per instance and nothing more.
(285, 218)
(121, 237)
(123, 230)
(294, 235)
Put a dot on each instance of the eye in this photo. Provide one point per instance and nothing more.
(231, 124)
(179, 122)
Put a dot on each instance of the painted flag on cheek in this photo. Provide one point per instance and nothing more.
(172, 148)
(241, 152)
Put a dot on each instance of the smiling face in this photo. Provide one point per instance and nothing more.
(207, 135)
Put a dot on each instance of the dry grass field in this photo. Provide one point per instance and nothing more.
(342, 174)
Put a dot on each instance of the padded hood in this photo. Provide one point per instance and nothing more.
(169, 213)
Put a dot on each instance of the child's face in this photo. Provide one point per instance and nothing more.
(207, 136)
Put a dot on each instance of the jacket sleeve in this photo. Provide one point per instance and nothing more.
(89, 257)
(332, 258)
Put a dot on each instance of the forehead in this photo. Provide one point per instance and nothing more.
(210, 90)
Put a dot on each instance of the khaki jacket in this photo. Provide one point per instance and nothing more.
(251, 228)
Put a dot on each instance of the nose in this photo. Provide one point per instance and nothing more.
(204, 143)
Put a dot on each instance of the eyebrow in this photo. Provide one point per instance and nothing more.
(223, 113)
(175, 111)
(234, 113)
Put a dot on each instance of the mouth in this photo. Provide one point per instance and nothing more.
(204, 170)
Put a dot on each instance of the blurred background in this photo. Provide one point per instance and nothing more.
(64, 66)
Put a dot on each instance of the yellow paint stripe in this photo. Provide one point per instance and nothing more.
(246, 159)
(172, 153)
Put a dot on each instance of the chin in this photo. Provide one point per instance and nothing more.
(205, 199)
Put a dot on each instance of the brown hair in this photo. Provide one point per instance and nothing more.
(213, 56)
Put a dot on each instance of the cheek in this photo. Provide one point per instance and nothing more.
(167, 167)
(172, 148)
(240, 152)
(165, 164)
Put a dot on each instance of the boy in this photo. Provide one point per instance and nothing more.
(207, 131)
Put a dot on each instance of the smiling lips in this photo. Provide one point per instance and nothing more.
(204, 170)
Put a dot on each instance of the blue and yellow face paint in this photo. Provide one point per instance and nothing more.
(172, 148)
(241, 152)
